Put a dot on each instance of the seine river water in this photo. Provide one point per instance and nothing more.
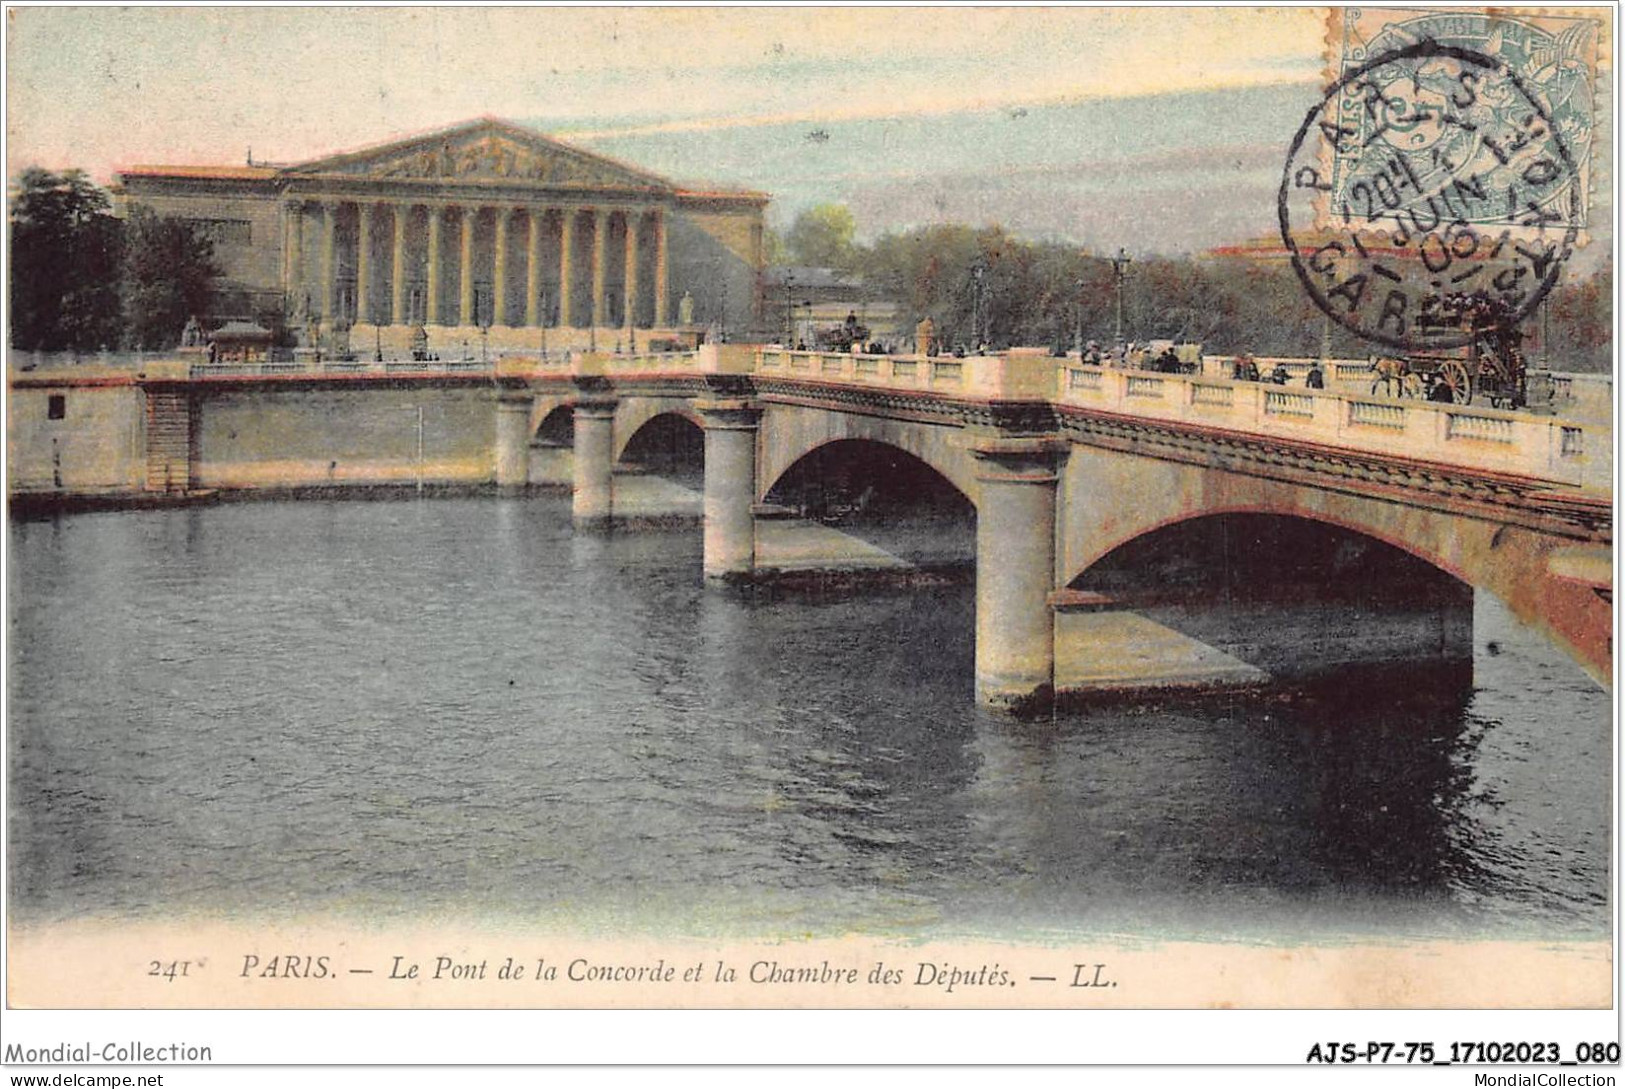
(453, 709)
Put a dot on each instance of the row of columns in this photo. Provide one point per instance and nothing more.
(367, 211)
(1015, 525)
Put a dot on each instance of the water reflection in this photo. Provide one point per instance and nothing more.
(459, 707)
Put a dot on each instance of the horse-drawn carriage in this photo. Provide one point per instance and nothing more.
(1490, 364)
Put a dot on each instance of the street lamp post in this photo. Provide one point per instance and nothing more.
(1077, 337)
(978, 274)
(789, 311)
(1120, 265)
(1545, 332)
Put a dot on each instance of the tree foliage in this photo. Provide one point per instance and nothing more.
(82, 279)
(1581, 322)
(1044, 293)
(65, 253)
(823, 236)
(169, 275)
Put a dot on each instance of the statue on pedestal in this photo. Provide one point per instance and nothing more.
(685, 309)
(192, 335)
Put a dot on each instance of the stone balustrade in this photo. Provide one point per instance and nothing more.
(1013, 376)
(313, 365)
(1562, 450)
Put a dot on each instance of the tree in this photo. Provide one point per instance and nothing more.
(822, 236)
(169, 275)
(65, 251)
(1580, 323)
(773, 249)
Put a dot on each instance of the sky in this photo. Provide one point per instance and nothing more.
(1159, 129)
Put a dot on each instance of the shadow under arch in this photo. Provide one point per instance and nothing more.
(1272, 597)
(1511, 563)
(882, 495)
(556, 428)
(668, 444)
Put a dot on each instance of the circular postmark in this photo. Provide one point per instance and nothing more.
(1428, 180)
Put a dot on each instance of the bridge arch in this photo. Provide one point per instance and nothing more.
(1512, 562)
(632, 414)
(790, 433)
(873, 479)
(552, 422)
(668, 444)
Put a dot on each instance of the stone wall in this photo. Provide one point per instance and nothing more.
(316, 437)
(245, 226)
(98, 444)
(715, 256)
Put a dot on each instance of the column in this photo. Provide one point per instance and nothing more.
(730, 487)
(397, 267)
(465, 293)
(1015, 571)
(433, 301)
(599, 222)
(567, 235)
(330, 225)
(533, 269)
(499, 268)
(296, 261)
(594, 463)
(631, 270)
(363, 262)
(513, 439)
(660, 270)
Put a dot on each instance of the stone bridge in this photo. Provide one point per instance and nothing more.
(1068, 464)
(1069, 468)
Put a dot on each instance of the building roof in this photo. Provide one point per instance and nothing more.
(483, 150)
(235, 172)
(241, 330)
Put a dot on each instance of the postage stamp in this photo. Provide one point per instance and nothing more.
(1447, 165)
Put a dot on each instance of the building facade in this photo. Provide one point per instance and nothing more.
(486, 232)
(802, 300)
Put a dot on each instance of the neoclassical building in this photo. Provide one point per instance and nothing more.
(487, 232)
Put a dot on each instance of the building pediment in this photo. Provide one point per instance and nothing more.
(482, 152)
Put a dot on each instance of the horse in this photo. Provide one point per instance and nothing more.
(1395, 377)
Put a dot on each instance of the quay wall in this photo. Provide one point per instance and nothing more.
(275, 438)
(88, 435)
(93, 442)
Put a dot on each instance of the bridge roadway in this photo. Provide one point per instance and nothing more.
(1064, 463)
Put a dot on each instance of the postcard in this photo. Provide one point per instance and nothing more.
(640, 509)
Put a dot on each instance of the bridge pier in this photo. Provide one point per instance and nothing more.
(590, 501)
(513, 440)
(1015, 570)
(730, 486)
